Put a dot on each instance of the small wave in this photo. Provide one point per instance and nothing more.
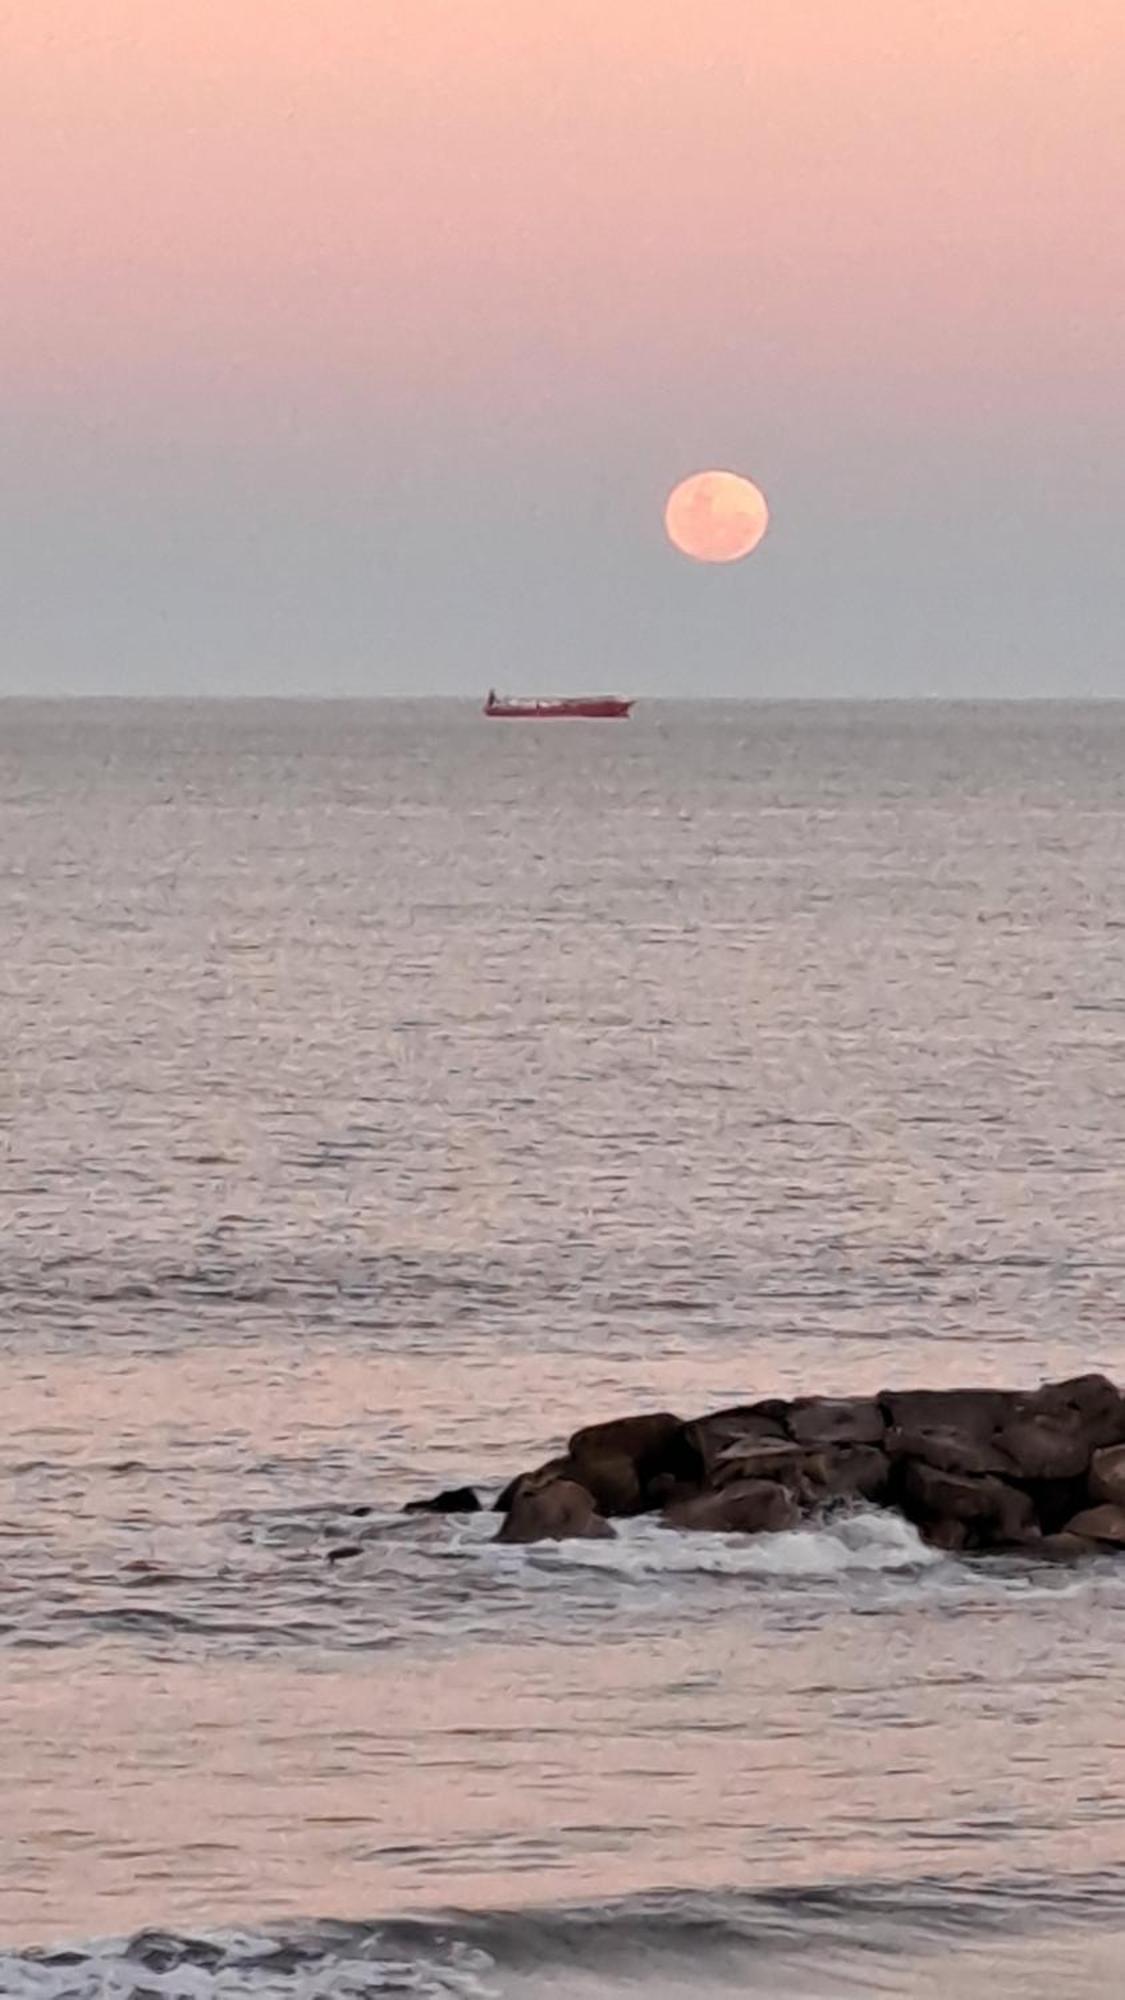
(331, 1962)
(865, 1540)
(836, 1939)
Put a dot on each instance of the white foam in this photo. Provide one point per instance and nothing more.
(110, 1972)
(866, 1540)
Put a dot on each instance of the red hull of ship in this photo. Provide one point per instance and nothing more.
(593, 707)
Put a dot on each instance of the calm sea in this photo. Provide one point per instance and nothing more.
(385, 1091)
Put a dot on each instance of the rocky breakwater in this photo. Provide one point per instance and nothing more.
(1040, 1471)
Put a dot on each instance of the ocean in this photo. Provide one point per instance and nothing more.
(386, 1092)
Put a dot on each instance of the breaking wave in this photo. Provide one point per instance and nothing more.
(834, 1940)
(868, 1539)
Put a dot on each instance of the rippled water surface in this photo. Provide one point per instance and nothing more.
(385, 1092)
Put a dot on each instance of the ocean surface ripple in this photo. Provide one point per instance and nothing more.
(386, 1093)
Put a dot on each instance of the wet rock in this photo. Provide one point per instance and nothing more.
(948, 1450)
(974, 1413)
(639, 1439)
(1107, 1475)
(1064, 1547)
(456, 1500)
(845, 1472)
(758, 1458)
(712, 1437)
(611, 1479)
(344, 1551)
(540, 1475)
(1056, 1431)
(1041, 1447)
(975, 1469)
(827, 1420)
(668, 1492)
(951, 1537)
(620, 1461)
(1100, 1524)
(986, 1508)
(555, 1512)
(1092, 1398)
(756, 1507)
(1056, 1501)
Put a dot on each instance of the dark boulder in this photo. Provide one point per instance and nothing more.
(711, 1437)
(975, 1413)
(455, 1500)
(611, 1479)
(619, 1461)
(668, 1492)
(1041, 1447)
(1056, 1431)
(1107, 1476)
(1093, 1398)
(756, 1507)
(1064, 1547)
(826, 1420)
(1056, 1500)
(640, 1439)
(1100, 1524)
(540, 1475)
(989, 1511)
(948, 1450)
(758, 1458)
(845, 1472)
(554, 1512)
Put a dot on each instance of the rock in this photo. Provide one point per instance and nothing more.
(975, 1469)
(457, 1500)
(845, 1472)
(619, 1461)
(947, 1450)
(1056, 1501)
(1056, 1431)
(1100, 1524)
(664, 1491)
(1093, 1398)
(950, 1536)
(344, 1551)
(710, 1437)
(757, 1458)
(975, 1413)
(540, 1475)
(612, 1481)
(1040, 1447)
(756, 1507)
(1064, 1547)
(1107, 1475)
(640, 1439)
(555, 1512)
(989, 1511)
(821, 1420)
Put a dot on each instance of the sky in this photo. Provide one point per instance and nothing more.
(353, 346)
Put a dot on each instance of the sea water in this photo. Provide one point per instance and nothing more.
(387, 1092)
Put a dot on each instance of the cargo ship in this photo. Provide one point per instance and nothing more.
(556, 708)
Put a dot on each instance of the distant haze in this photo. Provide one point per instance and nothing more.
(353, 347)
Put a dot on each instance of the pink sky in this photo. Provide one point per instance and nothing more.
(357, 343)
(540, 202)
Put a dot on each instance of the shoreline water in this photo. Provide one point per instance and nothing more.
(387, 1100)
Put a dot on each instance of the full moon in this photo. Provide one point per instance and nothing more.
(716, 517)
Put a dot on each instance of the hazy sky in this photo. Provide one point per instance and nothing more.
(353, 345)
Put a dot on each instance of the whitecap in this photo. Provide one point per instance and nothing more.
(867, 1540)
